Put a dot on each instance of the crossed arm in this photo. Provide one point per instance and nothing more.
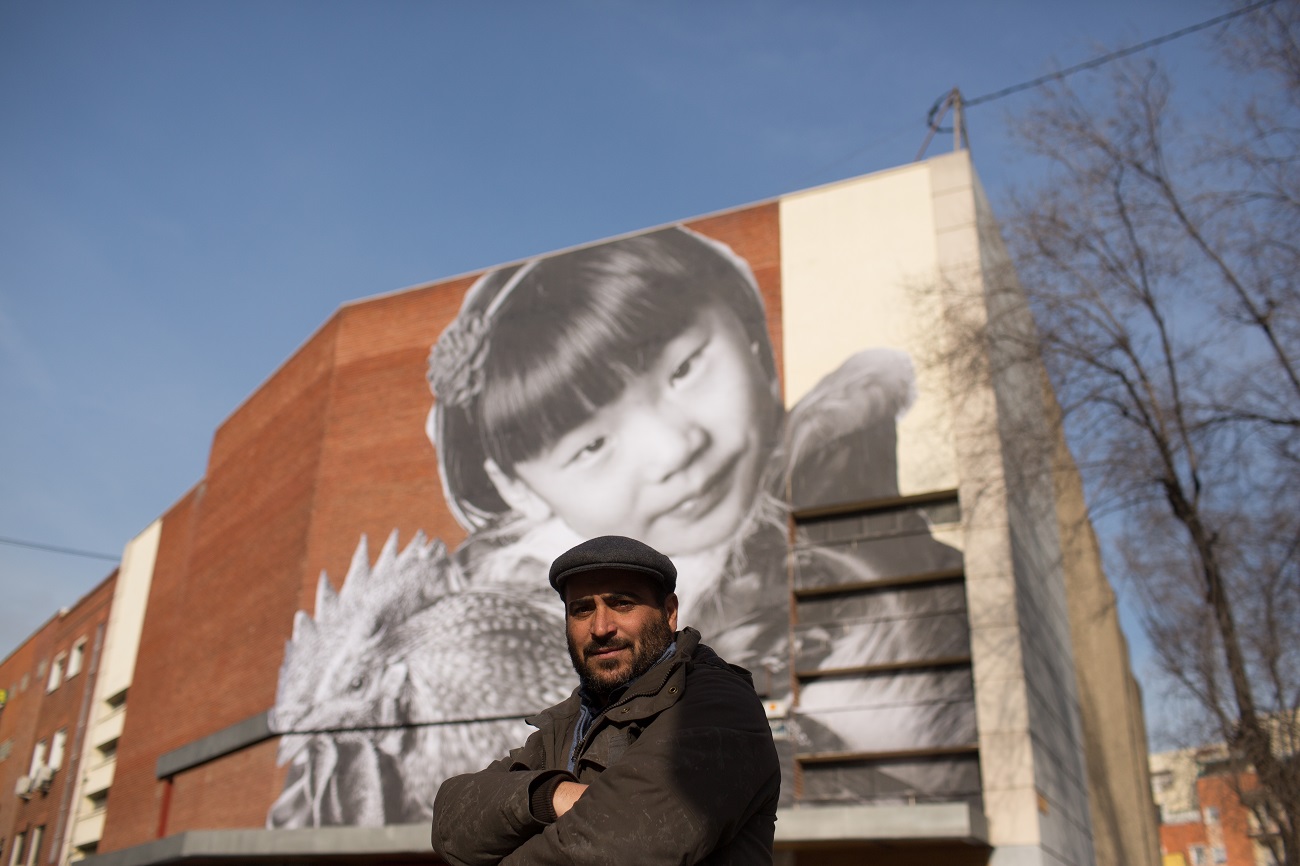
(566, 795)
(695, 779)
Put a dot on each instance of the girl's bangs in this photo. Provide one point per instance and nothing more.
(579, 326)
(544, 380)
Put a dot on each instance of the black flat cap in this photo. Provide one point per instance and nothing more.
(613, 553)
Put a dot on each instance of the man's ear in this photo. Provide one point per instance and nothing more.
(670, 605)
(518, 495)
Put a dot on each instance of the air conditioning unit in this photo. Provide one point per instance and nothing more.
(23, 788)
(42, 778)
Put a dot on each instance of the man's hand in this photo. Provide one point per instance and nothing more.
(566, 795)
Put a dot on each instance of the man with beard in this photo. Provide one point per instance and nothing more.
(661, 755)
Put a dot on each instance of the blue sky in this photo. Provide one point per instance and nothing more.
(188, 190)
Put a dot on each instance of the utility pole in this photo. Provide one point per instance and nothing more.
(950, 101)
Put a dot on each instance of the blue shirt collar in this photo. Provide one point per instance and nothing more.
(588, 711)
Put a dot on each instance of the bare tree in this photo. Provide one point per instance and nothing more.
(1161, 259)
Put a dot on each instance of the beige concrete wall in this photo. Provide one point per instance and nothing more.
(127, 619)
(115, 668)
(1010, 763)
(1119, 784)
(1055, 728)
(1094, 754)
(1175, 797)
(851, 255)
(887, 260)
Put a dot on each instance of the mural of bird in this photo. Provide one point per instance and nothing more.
(406, 676)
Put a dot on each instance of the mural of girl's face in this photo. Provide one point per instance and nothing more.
(677, 459)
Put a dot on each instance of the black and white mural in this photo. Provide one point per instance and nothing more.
(628, 387)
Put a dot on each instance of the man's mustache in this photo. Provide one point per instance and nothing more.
(594, 647)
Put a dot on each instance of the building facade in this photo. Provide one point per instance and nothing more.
(351, 605)
(1204, 797)
(85, 659)
(48, 685)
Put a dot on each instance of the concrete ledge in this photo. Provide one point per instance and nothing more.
(805, 825)
(317, 844)
(241, 735)
(931, 822)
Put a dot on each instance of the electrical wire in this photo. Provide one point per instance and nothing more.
(966, 103)
(1057, 76)
(52, 548)
(1115, 55)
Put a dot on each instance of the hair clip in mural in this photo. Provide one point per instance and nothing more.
(456, 362)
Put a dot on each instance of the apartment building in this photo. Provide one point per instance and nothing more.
(48, 686)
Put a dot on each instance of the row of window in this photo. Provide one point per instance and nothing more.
(25, 851)
(1203, 856)
(65, 666)
(892, 721)
(49, 753)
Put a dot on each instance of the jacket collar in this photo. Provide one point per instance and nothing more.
(649, 685)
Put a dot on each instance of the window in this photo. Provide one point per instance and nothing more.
(77, 658)
(56, 748)
(56, 672)
(34, 849)
(1220, 854)
(1198, 857)
(16, 853)
(39, 754)
(1211, 815)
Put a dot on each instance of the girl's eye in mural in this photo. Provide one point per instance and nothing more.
(587, 452)
(357, 682)
(686, 367)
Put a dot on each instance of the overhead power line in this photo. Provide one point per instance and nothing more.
(935, 116)
(953, 100)
(938, 107)
(1116, 55)
(54, 548)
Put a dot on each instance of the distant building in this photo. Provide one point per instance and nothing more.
(760, 393)
(65, 707)
(48, 685)
(1204, 799)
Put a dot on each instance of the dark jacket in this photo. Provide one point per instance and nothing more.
(682, 769)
